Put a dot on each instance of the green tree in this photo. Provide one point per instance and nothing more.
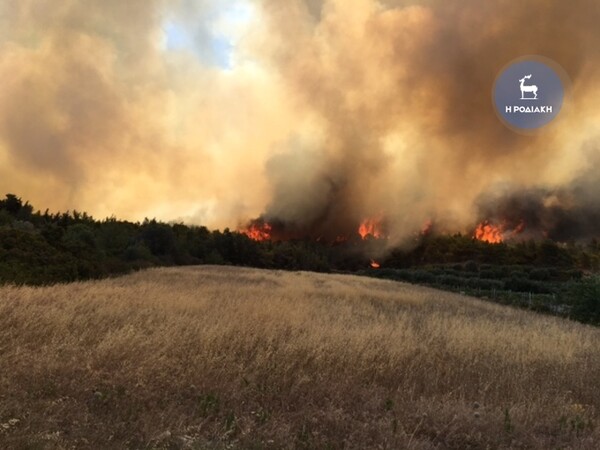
(585, 297)
(12, 204)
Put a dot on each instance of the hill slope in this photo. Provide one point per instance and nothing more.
(225, 357)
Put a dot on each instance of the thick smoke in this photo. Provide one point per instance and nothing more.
(567, 213)
(329, 113)
(97, 114)
(404, 89)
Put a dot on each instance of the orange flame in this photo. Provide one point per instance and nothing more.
(375, 264)
(371, 227)
(489, 233)
(259, 231)
(426, 228)
(520, 228)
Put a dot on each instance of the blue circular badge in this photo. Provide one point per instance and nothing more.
(529, 94)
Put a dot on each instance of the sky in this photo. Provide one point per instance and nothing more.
(212, 37)
(312, 112)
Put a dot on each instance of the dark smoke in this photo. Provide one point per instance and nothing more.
(403, 90)
(564, 214)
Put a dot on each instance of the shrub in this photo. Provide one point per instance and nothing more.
(471, 266)
(520, 284)
(585, 298)
(540, 274)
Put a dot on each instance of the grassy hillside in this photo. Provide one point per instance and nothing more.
(218, 357)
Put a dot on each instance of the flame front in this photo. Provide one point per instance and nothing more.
(489, 233)
(427, 228)
(375, 264)
(258, 231)
(371, 227)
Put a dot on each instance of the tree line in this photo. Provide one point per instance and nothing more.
(44, 248)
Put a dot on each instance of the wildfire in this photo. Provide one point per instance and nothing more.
(520, 228)
(490, 233)
(371, 227)
(375, 264)
(258, 231)
(426, 228)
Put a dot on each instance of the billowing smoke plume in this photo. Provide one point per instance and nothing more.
(323, 114)
(563, 213)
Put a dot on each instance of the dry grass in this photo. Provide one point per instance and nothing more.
(217, 357)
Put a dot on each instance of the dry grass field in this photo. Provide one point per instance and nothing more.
(218, 357)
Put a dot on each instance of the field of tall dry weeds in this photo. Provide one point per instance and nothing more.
(220, 357)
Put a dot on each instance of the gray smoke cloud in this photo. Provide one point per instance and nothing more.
(404, 91)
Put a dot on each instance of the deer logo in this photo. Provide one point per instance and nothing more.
(531, 88)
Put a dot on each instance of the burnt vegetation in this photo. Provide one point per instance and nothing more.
(46, 248)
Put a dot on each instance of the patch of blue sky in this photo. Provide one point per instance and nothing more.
(211, 37)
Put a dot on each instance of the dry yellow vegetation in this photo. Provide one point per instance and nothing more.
(220, 357)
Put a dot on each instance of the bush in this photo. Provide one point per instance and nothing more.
(137, 252)
(471, 266)
(496, 273)
(520, 284)
(585, 298)
(486, 284)
(421, 276)
(540, 274)
(451, 280)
